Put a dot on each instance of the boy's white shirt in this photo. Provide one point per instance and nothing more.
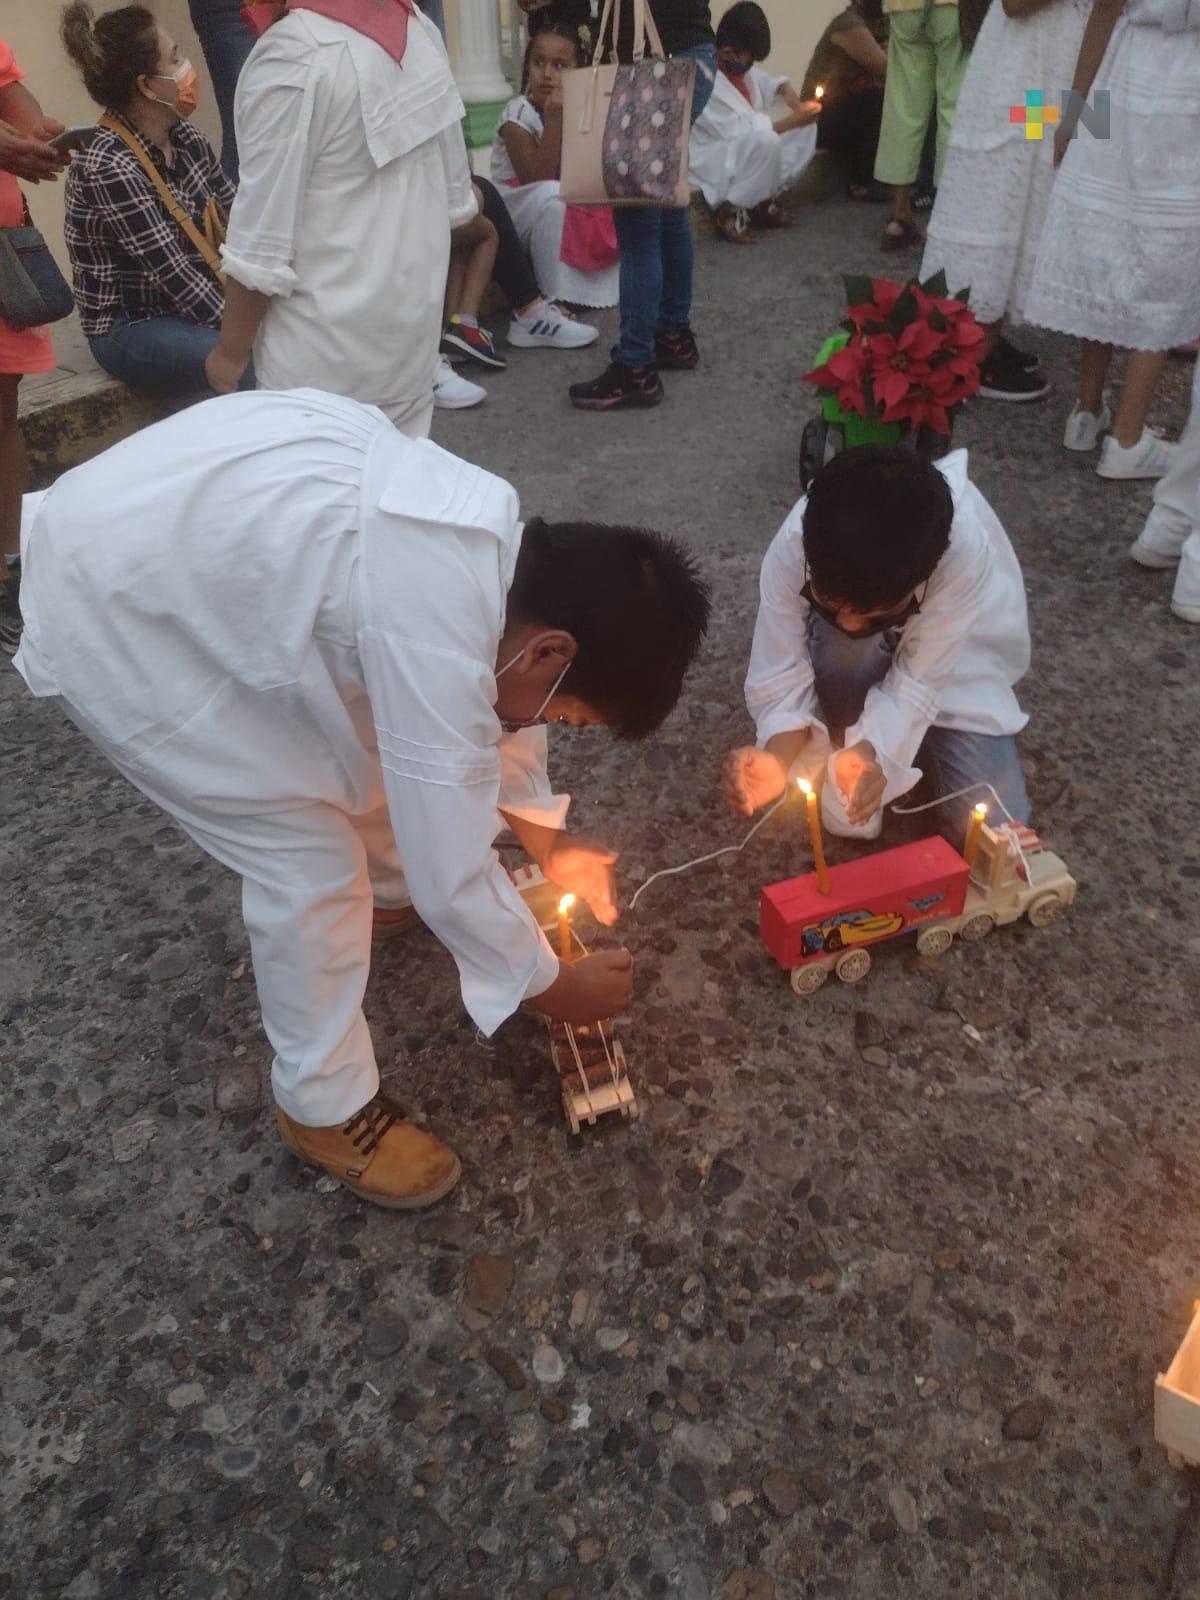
(296, 606)
(956, 662)
(734, 152)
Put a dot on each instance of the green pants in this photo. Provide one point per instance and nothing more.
(926, 67)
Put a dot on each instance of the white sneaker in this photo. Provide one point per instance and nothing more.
(453, 392)
(1083, 428)
(1150, 457)
(1159, 544)
(834, 819)
(1185, 602)
(549, 327)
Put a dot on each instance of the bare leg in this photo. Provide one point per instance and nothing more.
(1142, 372)
(902, 211)
(479, 261)
(1094, 362)
(454, 279)
(14, 469)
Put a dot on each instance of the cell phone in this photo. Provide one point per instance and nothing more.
(74, 138)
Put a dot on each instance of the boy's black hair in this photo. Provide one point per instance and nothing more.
(547, 20)
(634, 603)
(745, 27)
(876, 525)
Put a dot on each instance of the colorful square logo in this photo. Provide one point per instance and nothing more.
(1035, 114)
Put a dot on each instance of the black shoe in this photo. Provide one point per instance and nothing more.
(618, 388)
(1013, 355)
(11, 625)
(677, 350)
(1002, 380)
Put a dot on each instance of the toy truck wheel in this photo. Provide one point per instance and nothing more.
(934, 941)
(1045, 911)
(855, 964)
(978, 927)
(806, 980)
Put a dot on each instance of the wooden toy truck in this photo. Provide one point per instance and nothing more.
(589, 1060)
(1177, 1400)
(927, 886)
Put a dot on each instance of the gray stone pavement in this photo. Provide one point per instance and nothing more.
(871, 1300)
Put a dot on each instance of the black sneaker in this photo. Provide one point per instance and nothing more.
(1002, 380)
(677, 350)
(10, 611)
(618, 388)
(1014, 355)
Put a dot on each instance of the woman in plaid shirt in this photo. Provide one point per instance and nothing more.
(149, 303)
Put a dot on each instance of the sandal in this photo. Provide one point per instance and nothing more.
(872, 192)
(907, 234)
(733, 224)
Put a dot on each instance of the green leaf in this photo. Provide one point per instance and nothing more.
(858, 290)
(937, 285)
(904, 311)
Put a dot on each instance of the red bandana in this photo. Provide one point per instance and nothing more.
(385, 21)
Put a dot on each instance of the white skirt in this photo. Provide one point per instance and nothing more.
(995, 189)
(1120, 255)
(538, 216)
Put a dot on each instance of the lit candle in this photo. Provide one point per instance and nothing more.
(564, 926)
(971, 842)
(819, 91)
(814, 834)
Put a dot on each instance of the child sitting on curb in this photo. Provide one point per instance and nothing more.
(740, 157)
(891, 630)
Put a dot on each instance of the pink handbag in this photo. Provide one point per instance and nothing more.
(626, 128)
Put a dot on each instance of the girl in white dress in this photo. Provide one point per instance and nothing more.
(573, 248)
(1121, 243)
(991, 203)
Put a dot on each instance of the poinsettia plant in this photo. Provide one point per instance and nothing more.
(908, 355)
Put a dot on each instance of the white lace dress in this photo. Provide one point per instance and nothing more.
(995, 188)
(1120, 254)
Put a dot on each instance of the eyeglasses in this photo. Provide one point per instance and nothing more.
(871, 625)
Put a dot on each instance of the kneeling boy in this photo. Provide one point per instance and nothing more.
(891, 630)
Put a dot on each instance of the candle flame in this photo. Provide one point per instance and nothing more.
(804, 786)
(565, 904)
(819, 91)
(981, 810)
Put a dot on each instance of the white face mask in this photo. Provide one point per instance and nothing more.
(514, 725)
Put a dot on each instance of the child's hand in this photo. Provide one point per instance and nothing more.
(752, 778)
(860, 778)
(584, 867)
(588, 990)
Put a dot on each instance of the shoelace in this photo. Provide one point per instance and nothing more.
(368, 1127)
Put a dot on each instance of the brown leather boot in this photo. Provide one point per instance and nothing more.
(390, 921)
(378, 1154)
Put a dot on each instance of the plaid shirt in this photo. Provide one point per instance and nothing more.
(130, 258)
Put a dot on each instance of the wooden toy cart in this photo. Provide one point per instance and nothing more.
(591, 1066)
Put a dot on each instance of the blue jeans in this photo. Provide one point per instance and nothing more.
(656, 251)
(158, 353)
(950, 758)
(226, 42)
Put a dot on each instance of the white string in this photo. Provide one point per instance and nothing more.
(944, 799)
(669, 872)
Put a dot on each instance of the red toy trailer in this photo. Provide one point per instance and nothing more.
(926, 886)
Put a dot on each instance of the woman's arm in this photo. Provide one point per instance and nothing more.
(1092, 46)
(24, 131)
(863, 48)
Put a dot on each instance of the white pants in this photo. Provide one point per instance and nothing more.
(538, 216)
(1173, 527)
(311, 877)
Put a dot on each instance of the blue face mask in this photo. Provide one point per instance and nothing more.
(514, 725)
(736, 69)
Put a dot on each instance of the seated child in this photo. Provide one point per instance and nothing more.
(473, 248)
(891, 630)
(740, 159)
(574, 248)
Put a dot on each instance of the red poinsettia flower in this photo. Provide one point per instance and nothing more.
(844, 373)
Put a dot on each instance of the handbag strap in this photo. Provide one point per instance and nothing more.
(206, 243)
(645, 32)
